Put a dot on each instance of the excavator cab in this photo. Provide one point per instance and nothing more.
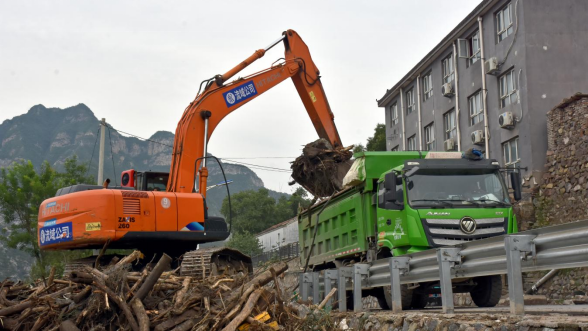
(145, 180)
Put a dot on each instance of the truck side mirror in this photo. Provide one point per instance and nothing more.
(515, 180)
(390, 181)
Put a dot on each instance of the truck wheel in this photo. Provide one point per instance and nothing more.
(419, 300)
(487, 291)
(406, 294)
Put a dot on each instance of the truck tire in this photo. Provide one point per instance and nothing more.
(407, 298)
(487, 291)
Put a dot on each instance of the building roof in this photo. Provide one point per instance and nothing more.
(277, 226)
(461, 28)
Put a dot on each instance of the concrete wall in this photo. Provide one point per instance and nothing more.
(281, 236)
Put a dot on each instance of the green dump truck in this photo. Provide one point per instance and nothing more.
(398, 203)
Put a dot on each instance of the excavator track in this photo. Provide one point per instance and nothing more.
(215, 261)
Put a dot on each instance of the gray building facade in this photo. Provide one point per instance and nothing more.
(519, 58)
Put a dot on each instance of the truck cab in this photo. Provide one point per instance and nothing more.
(428, 203)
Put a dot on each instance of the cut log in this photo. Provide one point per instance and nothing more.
(245, 312)
(162, 265)
(142, 317)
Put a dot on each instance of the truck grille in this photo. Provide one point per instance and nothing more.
(131, 206)
(446, 232)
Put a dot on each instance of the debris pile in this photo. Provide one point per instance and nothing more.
(154, 299)
(321, 168)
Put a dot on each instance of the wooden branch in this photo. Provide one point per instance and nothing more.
(51, 276)
(82, 294)
(327, 297)
(144, 275)
(135, 255)
(119, 302)
(170, 323)
(187, 325)
(68, 326)
(162, 265)
(247, 309)
(16, 308)
(260, 280)
(181, 293)
(40, 320)
(142, 317)
(101, 254)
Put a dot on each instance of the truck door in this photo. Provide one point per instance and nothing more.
(392, 229)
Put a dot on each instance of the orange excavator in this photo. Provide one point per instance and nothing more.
(175, 220)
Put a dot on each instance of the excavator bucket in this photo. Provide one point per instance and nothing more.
(321, 168)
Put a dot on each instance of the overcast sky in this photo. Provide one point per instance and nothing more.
(139, 63)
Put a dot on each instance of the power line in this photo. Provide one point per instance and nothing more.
(231, 160)
(130, 134)
(257, 165)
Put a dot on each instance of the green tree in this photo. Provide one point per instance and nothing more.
(358, 148)
(255, 211)
(22, 190)
(378, 141)
(252, 211)
(245, 242)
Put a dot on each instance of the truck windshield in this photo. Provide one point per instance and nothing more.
(428, 188)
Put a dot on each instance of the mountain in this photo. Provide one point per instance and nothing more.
(54, 134)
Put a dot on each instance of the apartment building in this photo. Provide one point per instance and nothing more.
(490, 82)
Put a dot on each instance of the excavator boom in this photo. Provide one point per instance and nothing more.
(219, 99)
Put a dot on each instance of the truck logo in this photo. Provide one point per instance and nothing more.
(467, 225)
(439, 213)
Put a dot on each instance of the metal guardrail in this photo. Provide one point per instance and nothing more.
(283, 252)
(554, 247)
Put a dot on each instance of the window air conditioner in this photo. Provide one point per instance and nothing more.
(506, 120)
(447, 90)
(449, 144)
(478, 137)
(491, 66)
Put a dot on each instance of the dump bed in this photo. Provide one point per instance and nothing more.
(349, 218)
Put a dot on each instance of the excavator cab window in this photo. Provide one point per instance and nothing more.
(152, 181)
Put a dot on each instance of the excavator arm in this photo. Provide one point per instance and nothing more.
(220, 98)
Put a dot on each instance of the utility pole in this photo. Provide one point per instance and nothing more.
(101, 152)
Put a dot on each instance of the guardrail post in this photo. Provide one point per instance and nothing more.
(398, 266)
(316, 298)
(517, 248)
(447, 258)
(344, 274)
(331, 277)
(359, 271)
(305, 284)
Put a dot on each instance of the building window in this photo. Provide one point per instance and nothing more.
(427, 86)
(507, 88)
(430, 137)
(449, 125)
(474, 48)
(448, 72)
(395, 149)
(511, 153)
(394, 114)
(475, 106)
(411, 143)
(410, 106)
(504, 26)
